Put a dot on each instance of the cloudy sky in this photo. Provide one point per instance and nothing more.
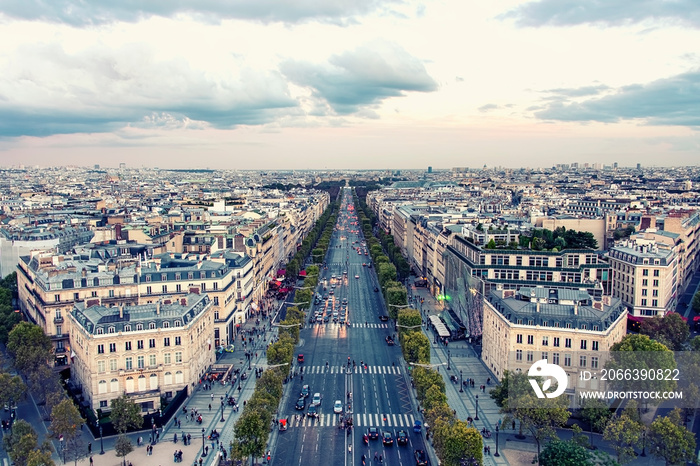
(349, 83)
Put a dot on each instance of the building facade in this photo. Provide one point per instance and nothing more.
(146, 351)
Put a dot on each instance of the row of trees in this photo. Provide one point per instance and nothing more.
(455, 441)
(8, 317)
(560, 238)
(666, 437)
(307, 245)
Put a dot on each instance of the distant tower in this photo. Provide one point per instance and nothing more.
(122, 165)
(97, 166)
(430, 169)
(639, 166)
(615, 165)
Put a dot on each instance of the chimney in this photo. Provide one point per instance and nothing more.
(576, 309)
(537, 307)
(121, 311)
(158, 307)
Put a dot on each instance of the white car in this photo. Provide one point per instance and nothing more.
(357, 276)
(316, 400)
(338, 407)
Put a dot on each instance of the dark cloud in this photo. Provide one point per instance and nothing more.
(95, 12)
(47, 91)
(362, 78)
(671, 101)
(606, 12)
(579, 91)
(488, 107)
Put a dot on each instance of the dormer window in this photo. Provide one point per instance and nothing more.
(152, 325)
(127, 328)
(166, 324)
(111, 330)
(99, 331)
(139, 326)
(178, 323)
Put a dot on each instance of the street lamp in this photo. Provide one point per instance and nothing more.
(644, 444)
(60, 442)
(203, 453)
(497, 429)
(102, 447)
(222, 411)
(461, 382)
(448, 360)
(476, 417)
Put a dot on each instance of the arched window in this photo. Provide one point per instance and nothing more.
(99, 331)
(166, 324)
(129, 384)
(114, 385)
(139, 326)
(153, 382)
(168, 378)
(152, 325)
(178, 323)
(142, 383)
(111, 330)
(127, 328)
(102, 387)
(179, 377)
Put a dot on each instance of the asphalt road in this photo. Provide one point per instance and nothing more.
(380, 395)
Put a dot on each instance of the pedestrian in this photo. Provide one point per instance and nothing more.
(89, 448)
(209, 406)
(91, 461)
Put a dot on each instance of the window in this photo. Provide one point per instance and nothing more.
(584, 344)
(152, 343)
(140, 361)
(148, 290)
(164, 288)
(645, 272)
(545, 355)
(567, 342)
(100, 349)
(76, 296)
(178, 356)
(567, 360)
(139, 327)
(545, 341)
(127, 328)
(166, 341)
(644, 291)
(129, 363)
(178, 323)
(114, 385)
(151, 360)
(166, 324)
(582, 361)
(644, 302)
(166, 358)
(111, 293)
(656, 272)
(127, 346)
(645, 282)
(594, 362)
(152, 325)
(519, 355)
(139, 344)
(655, 293)
(103, 403)
(519, 338)
(101, 366)
(594, 345)
(216, 300)
(178, 341)
(178, 288)
(111, 330)
(112, 347)
(530, 356)
(530, 340)
(655, 283)
(112, 364)
(556, 341)
(654, 303)
(555, 358)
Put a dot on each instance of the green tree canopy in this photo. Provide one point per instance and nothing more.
(125, 414)
(457, 442)
(29, 346)
(670, 330)
(624, 434)
(560, 453)
(670, 440)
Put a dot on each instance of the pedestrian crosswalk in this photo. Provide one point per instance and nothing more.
(359, 420)
(355, 370)
(373, 325)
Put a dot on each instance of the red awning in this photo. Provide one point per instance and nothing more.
(302, 273)
(685, 319)
(275, 282)
(639, 320)
(281, 272)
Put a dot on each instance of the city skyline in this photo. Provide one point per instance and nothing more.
(350, 84)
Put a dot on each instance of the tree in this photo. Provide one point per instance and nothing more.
(596, 413)
(424, 378)
(280, 352)
(491, 244)
(560, 453)
(40, 457)
(12, 389)
(696, 302)
(438, 411)
(65, 422)
(385, 273)
(457, 442)
(500, 392)
(415, 347)
(250, 434)
(22, 442)
(624, 434)
(123, 447)
(290, 329)
(434, 397)
(670, 330)
(125, 414)
(29, 346)
(540, 416)
(670, 440)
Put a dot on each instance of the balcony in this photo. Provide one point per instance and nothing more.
(59, 336)
(58, 320)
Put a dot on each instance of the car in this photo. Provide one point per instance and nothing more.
(369, 266)
(312, 412)
(319, 318)
(230, 348)
(300, 358)
(338, 407)
(316, 400)
(220, 349)
(383, 318)
(376, 289)
(331, 292)
(357, 276)
(301, 404)
(389, 341)
(326, 318)
(305, 391)
(364, 264)
(421, 458)
(342, 319)
(345, 300)
(402, 437)
(387, 438)
(373, 433)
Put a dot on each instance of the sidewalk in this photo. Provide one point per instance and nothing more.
(465, 364)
